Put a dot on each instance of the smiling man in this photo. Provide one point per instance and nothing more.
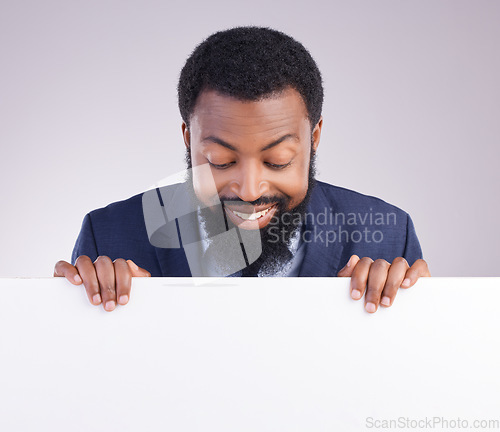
(262, 159)
(251, 101)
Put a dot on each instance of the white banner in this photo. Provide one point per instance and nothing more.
(248, 354)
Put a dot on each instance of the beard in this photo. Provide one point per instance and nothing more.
(276, 237)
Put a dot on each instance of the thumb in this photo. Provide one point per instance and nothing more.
(347, 270)
(136, 270)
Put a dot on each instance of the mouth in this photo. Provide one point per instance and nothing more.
(251, 219)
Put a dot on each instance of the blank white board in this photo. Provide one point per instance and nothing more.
(245, 354)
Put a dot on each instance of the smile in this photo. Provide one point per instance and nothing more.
(252, 216)
(256, 219)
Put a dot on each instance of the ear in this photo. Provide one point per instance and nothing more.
(316, 134)
(185, 135)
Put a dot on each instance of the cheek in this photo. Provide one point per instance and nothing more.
(223, 181)
(293, 182)
(196, 157)
(204, 184)
(297, 191)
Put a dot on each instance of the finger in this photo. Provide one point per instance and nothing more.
(65, 269)
(347, 270)
(136, 270)
(395, 278)
(418, 269)
(87, 272)
(106, 278)
(123, 280)
(377, 277)
(359, 277)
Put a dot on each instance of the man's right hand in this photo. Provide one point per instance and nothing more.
(107, 282)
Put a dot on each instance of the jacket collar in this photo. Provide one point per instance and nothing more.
(321, 258)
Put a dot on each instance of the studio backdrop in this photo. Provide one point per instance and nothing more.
(88, 112)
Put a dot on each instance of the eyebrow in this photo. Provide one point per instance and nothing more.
(223, 143)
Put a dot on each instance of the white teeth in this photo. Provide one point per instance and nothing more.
(251, 216)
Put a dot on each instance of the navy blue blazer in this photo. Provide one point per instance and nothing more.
(338, 224)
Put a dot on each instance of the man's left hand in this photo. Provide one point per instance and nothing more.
(380, 279)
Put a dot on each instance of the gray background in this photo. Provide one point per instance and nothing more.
(88, 112)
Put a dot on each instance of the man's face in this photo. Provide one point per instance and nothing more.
(259, 153)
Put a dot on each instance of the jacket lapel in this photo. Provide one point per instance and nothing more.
(173, 262)
(321, 258)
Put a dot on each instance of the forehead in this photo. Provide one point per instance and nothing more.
(218, 113)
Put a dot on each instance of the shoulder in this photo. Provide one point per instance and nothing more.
(130, 212)
(119, 231)
(127, 208)
(364, 224)
(344, 199)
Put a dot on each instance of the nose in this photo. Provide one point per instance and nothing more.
(249, 184)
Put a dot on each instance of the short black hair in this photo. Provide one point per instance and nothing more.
(250, 63)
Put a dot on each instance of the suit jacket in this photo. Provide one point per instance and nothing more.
(338, 224)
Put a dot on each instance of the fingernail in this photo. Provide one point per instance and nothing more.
(349, 262)
(110, 305)
(96, 299)
(386, 301)
(134, 265)
(355, 294)
(77, 279)
(370, 307)
(123, 299)
(406, 283)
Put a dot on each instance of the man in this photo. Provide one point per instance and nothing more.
(251, 101)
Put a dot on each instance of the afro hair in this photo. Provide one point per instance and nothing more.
(250, 64)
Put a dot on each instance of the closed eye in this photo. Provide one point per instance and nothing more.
(221, 166)
(269, 164)
(277, 166)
